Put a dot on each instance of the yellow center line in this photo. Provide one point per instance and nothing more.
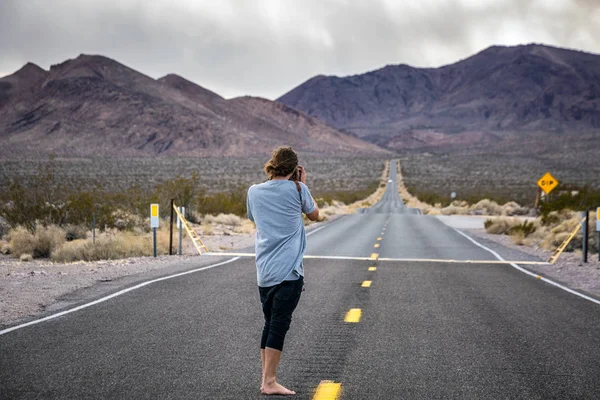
(372, 268)
(328, 390)
(374, 256)
(366, 283)
(353, 315)
(378, 238)
(377, 245)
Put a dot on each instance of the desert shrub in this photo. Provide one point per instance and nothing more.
(5, 247)
(21, 241)
(500, 225)
(523, 229)
(112, 246)
(572, 198)
(233, 202)
(246, 227)
(47, 239)
(223, 219)
(487, 207)
(550, 218)
(454, 210)
(74, 232)
(124, 220)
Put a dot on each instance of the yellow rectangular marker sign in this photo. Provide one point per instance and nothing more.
(154, 220)
(547, 183)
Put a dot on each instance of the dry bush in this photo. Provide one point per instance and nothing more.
(124, 220)
(556, 235)
(112, 246)
(26, 257)
(487, 207)
(223, 219)
(39, 245)
(74, 232)
(245, 228)
(514, 208)
(5, 247)
(21, 241)
(456, 208)
(47, 239)
(500, 225)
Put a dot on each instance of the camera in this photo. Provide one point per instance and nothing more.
(297, 175)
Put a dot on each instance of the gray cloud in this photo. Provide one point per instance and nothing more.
(267, 47)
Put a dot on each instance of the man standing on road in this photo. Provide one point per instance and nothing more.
(276, 207)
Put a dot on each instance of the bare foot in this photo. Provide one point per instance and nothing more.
(275, 389)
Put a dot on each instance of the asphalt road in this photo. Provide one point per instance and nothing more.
(428, 330)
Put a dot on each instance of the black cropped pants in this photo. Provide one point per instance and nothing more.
(278, 304)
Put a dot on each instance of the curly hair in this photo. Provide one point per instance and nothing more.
(283, 162)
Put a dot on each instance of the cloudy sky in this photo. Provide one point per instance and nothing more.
(267, 47)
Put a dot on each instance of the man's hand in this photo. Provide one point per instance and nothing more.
(302, 172)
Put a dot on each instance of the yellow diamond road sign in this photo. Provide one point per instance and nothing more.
(547, 183)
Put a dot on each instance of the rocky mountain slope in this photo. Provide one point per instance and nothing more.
(93, 105)
(502, 93)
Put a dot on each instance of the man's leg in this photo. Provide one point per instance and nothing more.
(266, 299)
(285, 300)
(270, 385)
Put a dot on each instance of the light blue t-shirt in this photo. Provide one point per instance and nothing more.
(274, 206)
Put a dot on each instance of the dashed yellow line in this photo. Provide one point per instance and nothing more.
(376, 245)
(328, 390)
(374, 256)
(366, 284)
(378, 238)
(372, 268)
(353, 315)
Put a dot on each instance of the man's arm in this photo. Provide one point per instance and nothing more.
(313, 216)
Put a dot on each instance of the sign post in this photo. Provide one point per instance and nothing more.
(154, 220)
(584, 232)
(547, 183)
(180, 227)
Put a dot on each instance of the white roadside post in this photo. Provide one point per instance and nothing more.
(180, 227)
(154, 220)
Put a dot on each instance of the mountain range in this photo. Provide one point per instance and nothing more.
(502, 96)
(501, 93)
(95, 106)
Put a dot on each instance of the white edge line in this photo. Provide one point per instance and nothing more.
(317, 229)
(558, 285)
(86, 305)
